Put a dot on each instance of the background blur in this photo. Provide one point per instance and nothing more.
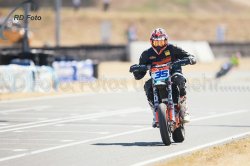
(100, 31)
(78, 55)
(183, 19)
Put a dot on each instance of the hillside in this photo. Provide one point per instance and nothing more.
(183, 20)
(194, 6)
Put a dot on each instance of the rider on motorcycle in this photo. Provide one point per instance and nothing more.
(162, 52)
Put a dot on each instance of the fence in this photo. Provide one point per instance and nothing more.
(100, 53)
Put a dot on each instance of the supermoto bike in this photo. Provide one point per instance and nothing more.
(224, 70)
(168, 116)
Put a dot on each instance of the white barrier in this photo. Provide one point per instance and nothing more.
(68, 71)
(46, 79)
(200, 49)
(16, 78)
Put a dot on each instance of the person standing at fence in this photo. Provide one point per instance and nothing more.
(76, 4)
(221, 33)
(132, 33)
(106, 5)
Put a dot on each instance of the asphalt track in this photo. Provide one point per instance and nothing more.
(113, 128)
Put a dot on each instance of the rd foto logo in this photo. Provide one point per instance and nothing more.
(18, 17)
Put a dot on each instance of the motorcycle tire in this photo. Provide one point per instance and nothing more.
(163, 124)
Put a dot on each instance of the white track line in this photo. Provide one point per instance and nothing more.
(76, 118)
(60, 96)
(151, 161)
(56, 119)
(93, 116)
(23, 139)
(122, 134)
(54, 131)
(219, 115)
(25, 109)
(45, 98)
(37, 122)
(73, 144)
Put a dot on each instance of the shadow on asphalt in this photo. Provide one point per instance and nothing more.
(131, 144)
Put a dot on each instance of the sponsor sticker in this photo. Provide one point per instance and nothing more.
(167, 53)
(152, 57)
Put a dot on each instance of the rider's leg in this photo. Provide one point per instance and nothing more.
(179, 80)
(184, 109)
(150, 96)
(149, 92)
(175, 93)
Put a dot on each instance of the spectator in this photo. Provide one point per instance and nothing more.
(76, 4)
(132, 33)
(221, 33)
(106, 5)
(106, 30)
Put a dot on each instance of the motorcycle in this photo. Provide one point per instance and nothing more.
(168, 116)
(224, 70)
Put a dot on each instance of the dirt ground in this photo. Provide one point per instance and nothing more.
(233, 153)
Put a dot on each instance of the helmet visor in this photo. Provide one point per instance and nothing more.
(159, 43)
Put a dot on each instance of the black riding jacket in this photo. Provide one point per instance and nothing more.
(170, 54)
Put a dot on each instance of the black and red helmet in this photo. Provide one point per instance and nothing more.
(159, 39)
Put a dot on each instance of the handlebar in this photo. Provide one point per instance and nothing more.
(144, 68)
(139, 68)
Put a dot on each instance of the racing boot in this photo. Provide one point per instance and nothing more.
(184, 110)
(155, 123)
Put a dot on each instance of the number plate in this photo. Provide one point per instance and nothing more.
(160, 74)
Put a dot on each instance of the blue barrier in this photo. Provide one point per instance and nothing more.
(68, 71)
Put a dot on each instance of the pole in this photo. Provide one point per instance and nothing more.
(25, 42)
(58, 22)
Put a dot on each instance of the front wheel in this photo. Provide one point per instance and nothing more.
(163, 124)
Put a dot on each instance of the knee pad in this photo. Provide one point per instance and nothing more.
(179, 80)
(175, 93)
(149, 90)
(183, 91)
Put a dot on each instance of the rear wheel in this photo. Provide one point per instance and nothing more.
(163, 124)
(179, 134)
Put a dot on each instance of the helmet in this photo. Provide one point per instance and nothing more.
(159, 39)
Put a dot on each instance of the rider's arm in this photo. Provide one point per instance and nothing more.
(142, 61)
(183, 55)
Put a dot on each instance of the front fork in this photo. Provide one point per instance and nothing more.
(156, 104)
(169, 101)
